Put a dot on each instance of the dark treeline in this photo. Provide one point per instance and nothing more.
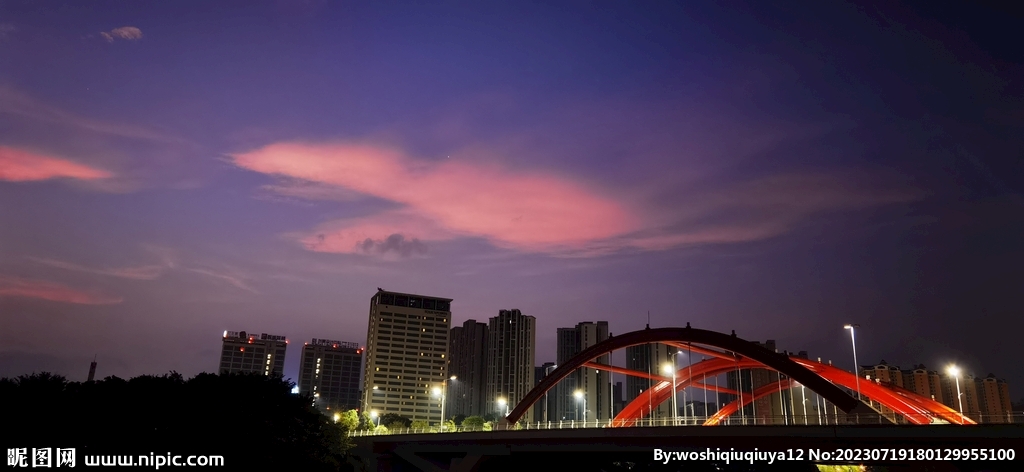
(251, 420)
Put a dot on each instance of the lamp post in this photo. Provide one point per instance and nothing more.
(580, 396)
(955, 372)
(443, 392)
(375, 417)
(503, 403)
(670, 369)
(856, 366)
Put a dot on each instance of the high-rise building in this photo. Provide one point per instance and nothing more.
(995, 400)
(883, 373)
(923, 382)
(92, 370)
(468, 363)
(329, 372)
(595, 384)
(406, 354)
(511, 339)
(648, 358)
(567, 346)
(249, 353)
(618, 403)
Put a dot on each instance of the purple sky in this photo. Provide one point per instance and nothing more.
(171, 170)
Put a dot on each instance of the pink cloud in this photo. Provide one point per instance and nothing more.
(17, 165)
(129, 33)
(510, 208)
(29, 288)
(538, 212)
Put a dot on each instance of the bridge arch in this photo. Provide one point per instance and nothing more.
(818, 377)
(741, 348)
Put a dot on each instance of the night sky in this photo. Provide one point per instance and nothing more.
(171, 170)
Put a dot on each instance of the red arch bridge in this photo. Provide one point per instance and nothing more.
(726, 353)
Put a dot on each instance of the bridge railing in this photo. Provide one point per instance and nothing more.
(759, 420)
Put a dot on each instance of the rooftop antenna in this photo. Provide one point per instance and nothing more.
(648, 319)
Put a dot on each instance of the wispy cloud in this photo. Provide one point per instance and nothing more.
(234, 278)
(761, 208)
(19, 165)
(168, 262)
(18, 103)
(547, 213)
(148, 272)
(129, 33)
(44, 290)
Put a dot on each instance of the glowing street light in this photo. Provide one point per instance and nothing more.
(669, 369)
(444, 394)
(580, 396)
(503, 404)
(955, 372)
(374, 416)
(856, 366)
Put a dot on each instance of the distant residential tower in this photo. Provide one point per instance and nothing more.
(251, 353)
(329, 372)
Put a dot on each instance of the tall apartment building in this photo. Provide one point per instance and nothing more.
(883, 373)
(329, 372)
(468, 363)
(618, 403)
(648, 358)
(406, 354)
(983, 400)
(248, 353)
(511, 340)
(994, 396)
(567, 345)
(595, 384)
(924, 382)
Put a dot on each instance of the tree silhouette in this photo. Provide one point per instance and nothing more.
(251, 420)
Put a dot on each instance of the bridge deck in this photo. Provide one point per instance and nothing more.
(509, 450)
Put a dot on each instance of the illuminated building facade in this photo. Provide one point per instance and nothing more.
(250, 353)
(329, 372)
(468, 363)
(406, 354)
(511, 339)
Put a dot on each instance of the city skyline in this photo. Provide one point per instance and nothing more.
(168, 171)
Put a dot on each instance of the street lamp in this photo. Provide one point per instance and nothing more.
(504, 404)
(955, 372)
(856, 366)
(438, 393)
(669, 369)
(452, 378)
(579, 396)
(375, 417)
